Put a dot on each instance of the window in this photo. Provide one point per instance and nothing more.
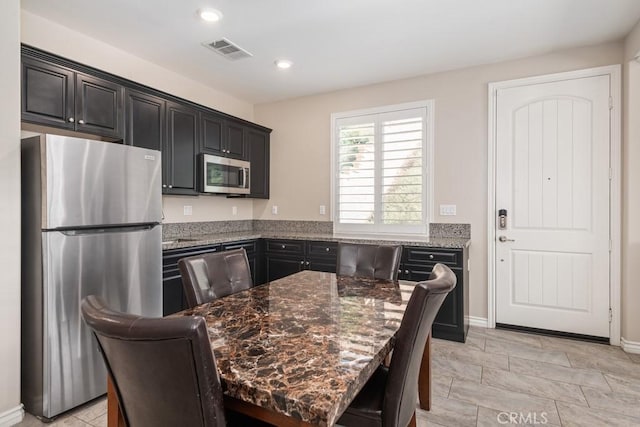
(382, 169)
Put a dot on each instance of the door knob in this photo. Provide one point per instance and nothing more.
(504, 239)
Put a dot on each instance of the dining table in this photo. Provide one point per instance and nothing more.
(296, 351)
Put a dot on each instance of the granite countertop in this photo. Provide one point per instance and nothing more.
(304, 345)
(218, 238)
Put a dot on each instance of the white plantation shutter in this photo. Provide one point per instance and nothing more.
(381, 174)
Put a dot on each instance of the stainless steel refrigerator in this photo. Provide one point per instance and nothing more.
(91, 214)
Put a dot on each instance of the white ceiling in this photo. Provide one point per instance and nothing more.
(336, 44)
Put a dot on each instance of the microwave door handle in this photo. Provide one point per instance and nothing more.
(242, 175)
(245, 178)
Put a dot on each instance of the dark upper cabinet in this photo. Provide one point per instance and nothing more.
(181, 145)
(53, 95)
(235, 146)
(99, 106)
(222, 137)
(47, 94)
(145, 118)
(258, 148)
(60, 93)
(212, 133)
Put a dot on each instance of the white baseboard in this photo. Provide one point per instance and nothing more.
(630, 346)
(478, 321)
(12, 416)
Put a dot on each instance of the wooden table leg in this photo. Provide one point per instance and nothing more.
(114, 416)
(424, 378)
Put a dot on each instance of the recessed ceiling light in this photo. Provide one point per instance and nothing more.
(210, 15)
(283, 64)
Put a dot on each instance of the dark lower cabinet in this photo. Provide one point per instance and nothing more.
(172, 295)
(279, 266)
(451, 322)
(285, 257)
(172, 292)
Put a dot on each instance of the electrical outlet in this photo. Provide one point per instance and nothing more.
(323, 210)
(188, 210)
(234, 210)
(448, 210)
(274, 210)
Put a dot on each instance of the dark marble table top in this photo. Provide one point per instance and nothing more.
(304, 345)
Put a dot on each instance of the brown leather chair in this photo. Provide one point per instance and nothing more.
(163, 369)
(370, 261)
(389, 397)
(214, 275)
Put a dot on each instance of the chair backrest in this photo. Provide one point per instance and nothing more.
(402, 382)
(163, 370)
(371, 261)
(214, 275)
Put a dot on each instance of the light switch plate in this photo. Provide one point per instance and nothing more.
(323, 210)
(234, 210)
(274, 209)
(188, 210)
(447, 210)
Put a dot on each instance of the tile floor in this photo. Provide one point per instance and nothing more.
(540, 380)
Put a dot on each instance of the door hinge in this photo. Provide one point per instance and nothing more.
(610, 315)
(610, 103)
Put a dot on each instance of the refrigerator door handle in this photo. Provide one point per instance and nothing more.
(128, 229)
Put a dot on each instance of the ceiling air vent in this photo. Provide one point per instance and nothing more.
(228, 49)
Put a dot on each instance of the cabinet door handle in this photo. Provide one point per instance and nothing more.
(307, 263)
(71, 120)
(164, 185)
(327, 249)
(171, 186)
(301, 262)
(431, 256)
(283, 247)
(406, 272)
(81, 121)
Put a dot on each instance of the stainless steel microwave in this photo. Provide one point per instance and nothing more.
(223, 175)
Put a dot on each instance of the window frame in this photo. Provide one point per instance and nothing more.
(428, 172)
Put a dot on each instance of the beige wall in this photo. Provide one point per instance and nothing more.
(63, 41)
(631, 190)
(300, 147)
(10, 209)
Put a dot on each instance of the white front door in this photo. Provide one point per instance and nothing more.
(552, 178)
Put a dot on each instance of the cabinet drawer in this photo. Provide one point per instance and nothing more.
(323, 249)
(416, 255)
(170, 258)
(250, 246)
(290, 247)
